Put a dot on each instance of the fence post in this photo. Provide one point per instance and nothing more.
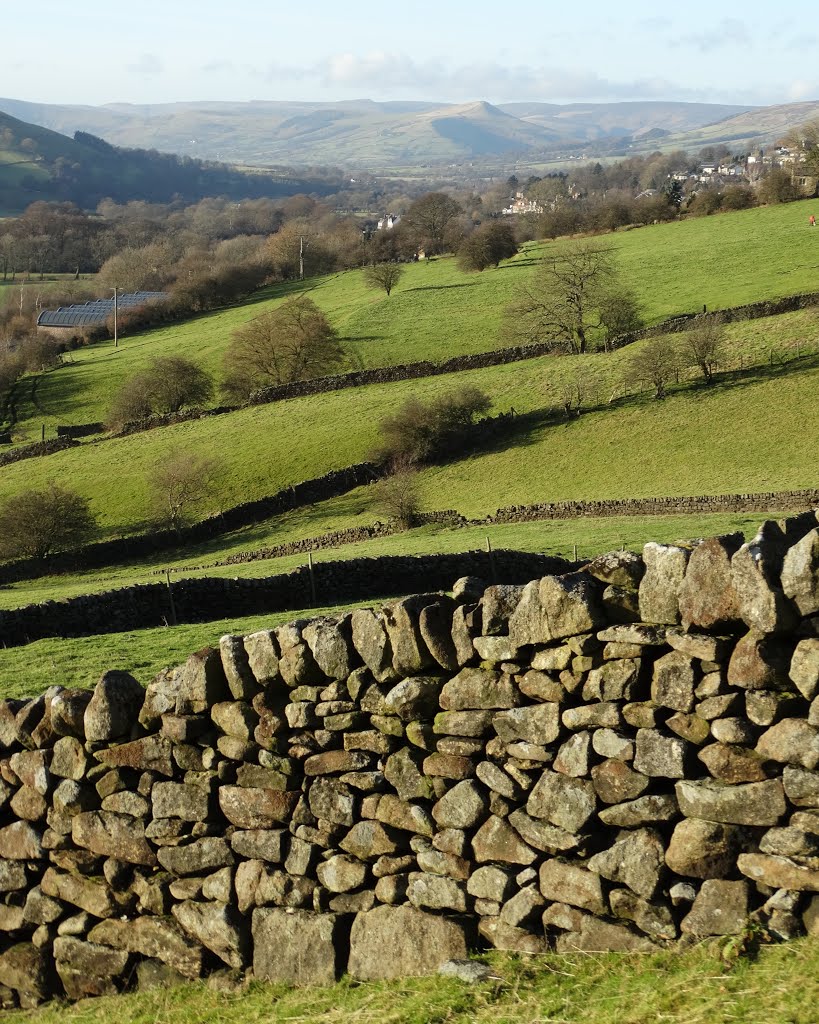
(312, 579)
(490, 553)
(170, 597)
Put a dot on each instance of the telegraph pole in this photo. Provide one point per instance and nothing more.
(116, 312)
(301, 257)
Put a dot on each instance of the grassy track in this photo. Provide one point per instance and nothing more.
(592, 536)
(692, 987)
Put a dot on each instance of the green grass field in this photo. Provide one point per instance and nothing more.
(691, 987)
(752, 431)
(696, 441)
(437, 311)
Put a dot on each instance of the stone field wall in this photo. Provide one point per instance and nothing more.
(622, 757)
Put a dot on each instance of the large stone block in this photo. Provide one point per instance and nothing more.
(556, 607)
(721, 908)
(400, 942)
(708, 598)
(756, 803)
(563, 801)
(249, 808)
(201, 683)
(661, 585)
(298, 947)
(331, 642)
(114, 707)
(705, 849)
(800, 574)
(570, 883)
(113, 835)
(158, 937)
(479, 689)
(87, 969)
(755, 570)
(218, 927)
(637, 860)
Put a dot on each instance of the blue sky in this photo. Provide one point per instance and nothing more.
(87, 51)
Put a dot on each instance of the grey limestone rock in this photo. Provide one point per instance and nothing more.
(297, 947)
(665, 566)
(113, 708)
(556, 607)
(395, 942)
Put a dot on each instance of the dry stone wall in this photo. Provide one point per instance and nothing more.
(620, 757)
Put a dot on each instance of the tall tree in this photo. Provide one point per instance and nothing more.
(428, 218)
(292, 342)
(564, 302)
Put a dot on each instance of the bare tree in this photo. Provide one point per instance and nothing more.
(562, 303)
(35, 522)
(292, 342)
(706, 346)
(383, 275)
(656, 363)
(428, 219)
(181, 484)
(487, 246)
(572, 391)
(397, 495)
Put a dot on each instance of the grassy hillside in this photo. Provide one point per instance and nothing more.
(637, 447)
(437, 311)
(752, 431)
(690, 987)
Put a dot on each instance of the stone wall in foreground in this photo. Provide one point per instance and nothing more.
(621, 757)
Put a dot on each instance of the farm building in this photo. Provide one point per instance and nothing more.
(69, 321)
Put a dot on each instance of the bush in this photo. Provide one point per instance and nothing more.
(169, 384)
(487, 246)
(419, 431)
(36, 522)
(397, 496)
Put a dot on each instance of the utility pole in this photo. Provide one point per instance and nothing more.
(116, 317)
(301, 257)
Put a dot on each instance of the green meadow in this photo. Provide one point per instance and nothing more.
(437, 311)
(753, 430)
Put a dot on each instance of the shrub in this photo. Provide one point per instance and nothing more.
(36, 522)
(418, 430)
(169, 384)
(292, 342)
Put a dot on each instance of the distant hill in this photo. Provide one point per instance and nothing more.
(410, 136)
(366, 134)
(762, 125)
(38, 163)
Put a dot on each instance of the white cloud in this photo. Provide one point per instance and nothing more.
(385, 74)
(146, 64)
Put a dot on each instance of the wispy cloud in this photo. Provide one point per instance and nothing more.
(146, 64)
(729, 32)
(390, 74)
